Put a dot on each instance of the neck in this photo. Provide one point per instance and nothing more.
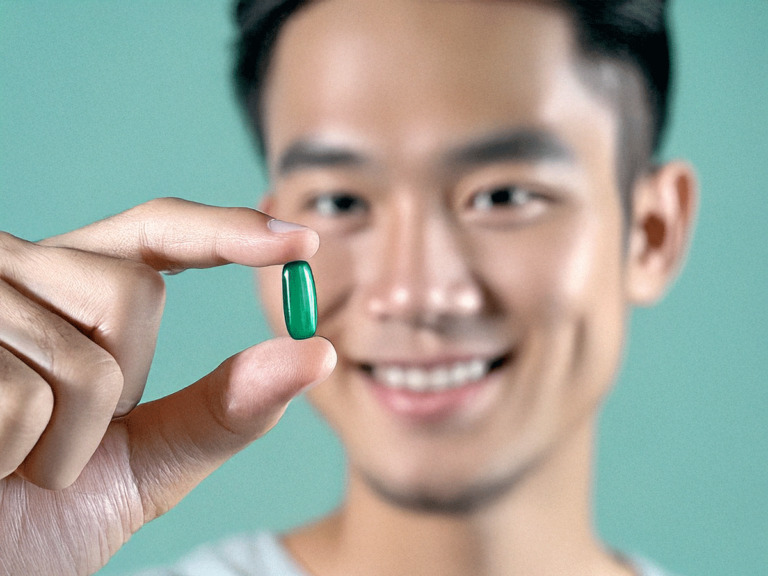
(541, 525)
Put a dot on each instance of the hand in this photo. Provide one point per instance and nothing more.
(81, 466)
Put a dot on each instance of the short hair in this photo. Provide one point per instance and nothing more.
(630, 33)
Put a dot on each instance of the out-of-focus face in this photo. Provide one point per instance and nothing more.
(462, 179)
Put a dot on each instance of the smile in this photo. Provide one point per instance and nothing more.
(435, 378)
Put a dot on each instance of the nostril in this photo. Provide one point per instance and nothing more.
(391, 301)
(457, 299)
(425, 302)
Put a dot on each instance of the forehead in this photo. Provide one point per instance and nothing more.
(412, 76)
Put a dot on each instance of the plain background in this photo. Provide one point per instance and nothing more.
(104, 105)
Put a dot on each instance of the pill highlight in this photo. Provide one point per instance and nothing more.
(299, 300)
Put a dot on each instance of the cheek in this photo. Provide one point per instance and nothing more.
(334, 267)
(564, 273)
(569, 271)
(572, 303)
(338, 267)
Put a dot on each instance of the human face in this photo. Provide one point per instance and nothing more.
(462, 178)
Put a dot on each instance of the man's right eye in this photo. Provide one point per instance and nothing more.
(338, 204)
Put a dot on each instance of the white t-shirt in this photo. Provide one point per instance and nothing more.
(262, 554)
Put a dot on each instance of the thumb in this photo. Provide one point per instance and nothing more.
(178, 440)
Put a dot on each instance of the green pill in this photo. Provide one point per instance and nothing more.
(299, 300)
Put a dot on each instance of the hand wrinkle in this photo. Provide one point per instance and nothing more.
(88, 523)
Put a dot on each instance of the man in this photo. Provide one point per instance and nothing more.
(480, 176)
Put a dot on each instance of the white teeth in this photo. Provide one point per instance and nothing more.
(477, 369)
(393, 377)
(416, 379)
(460, 372)
(441, 378)
(434, 379)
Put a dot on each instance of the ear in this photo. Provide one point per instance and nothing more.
(664, 208)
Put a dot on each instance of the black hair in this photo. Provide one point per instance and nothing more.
(259, 23)
(634, 33)
(630, 35)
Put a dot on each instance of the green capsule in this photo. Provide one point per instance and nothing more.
(299, 300)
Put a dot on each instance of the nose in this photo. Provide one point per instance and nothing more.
(423, 274)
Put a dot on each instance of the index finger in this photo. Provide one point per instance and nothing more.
(171, 235)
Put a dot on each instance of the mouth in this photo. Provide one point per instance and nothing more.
(435, 377)
(435, 391)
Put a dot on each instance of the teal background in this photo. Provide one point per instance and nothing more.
(104, 105)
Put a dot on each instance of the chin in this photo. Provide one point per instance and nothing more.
(460, 497)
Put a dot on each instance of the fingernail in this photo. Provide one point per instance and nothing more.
(281, 227)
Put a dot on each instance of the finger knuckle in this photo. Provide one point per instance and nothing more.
(243, 214)
(105, 375)
(162, 205)
(10, 246)
(47, 334)
(6, 240)
(93, 376)
(142, 280)
(139, 287)
(27, 404)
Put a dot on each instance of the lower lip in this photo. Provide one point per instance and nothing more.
(428, 406)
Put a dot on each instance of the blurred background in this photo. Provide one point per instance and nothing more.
(104, 105)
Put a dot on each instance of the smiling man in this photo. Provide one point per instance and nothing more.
(481, 178)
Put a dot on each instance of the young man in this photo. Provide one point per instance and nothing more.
(480, 176)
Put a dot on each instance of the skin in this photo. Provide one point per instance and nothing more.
(79, 315)
(425, 269)
(383, 108)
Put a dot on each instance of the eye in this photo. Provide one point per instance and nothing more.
(501, 197)
(338, 204)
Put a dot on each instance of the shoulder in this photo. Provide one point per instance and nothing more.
(262, 554)
(258, 554)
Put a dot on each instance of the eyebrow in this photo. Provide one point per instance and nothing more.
(304, 155)
(517, 146)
